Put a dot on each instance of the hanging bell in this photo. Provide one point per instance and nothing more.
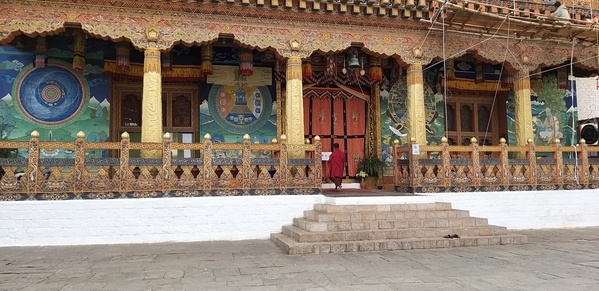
(354, 62)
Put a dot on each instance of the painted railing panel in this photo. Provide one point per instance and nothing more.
(444, 168)
(217, 170)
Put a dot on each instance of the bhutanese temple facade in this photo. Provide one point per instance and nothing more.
(369, 75)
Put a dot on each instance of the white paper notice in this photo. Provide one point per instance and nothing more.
(186, 138)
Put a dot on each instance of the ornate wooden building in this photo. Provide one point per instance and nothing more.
(361, 73)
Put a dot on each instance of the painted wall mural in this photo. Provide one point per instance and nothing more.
(554, 114)
(51, 95)
(393, 117)
(56, 100)
(234, 105)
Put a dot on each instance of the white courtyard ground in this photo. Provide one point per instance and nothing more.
(553, 259)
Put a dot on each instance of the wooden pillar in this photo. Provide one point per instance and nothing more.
(523, 108)
(415, 104)
(280, 110)
(374, 121)
(294, 105)
(151, 115)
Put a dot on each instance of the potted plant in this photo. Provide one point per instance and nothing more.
(369, 170)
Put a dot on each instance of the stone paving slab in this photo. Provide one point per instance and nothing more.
(553, 259)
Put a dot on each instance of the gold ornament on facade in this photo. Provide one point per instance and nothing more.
(417, 51)
(152, 34)
(295, 45)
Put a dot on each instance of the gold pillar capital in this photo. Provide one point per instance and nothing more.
(294, 68)
(152, 60)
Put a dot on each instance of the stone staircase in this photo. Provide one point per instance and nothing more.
(356, 228)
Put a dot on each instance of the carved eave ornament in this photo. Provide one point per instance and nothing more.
(379, 35)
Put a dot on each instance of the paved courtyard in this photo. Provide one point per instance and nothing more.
(564, 259)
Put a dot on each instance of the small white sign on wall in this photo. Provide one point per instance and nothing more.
(415, 149)
(326, 155)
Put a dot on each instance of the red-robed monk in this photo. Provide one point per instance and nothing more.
(337, 166)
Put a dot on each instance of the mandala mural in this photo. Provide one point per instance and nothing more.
(240, 110)
(394, 119)
(52, 95)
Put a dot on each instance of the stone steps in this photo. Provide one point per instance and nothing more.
(301, 235)
(315, 215)
(402, 226)
(290, 246)
(310, 225)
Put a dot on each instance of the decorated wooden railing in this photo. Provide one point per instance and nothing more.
(444, 168)
(222, 169)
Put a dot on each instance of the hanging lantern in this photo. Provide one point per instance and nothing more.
(479, 76)
(562, 78)
(508, 80)
(282, 66)
(306, 70)
(166, 61)
(449, 69)
(246, 66)
(206, 68)
(268, 57)
(330, 62)
(123, 53)
(375, 73)
(41, 52)
(536, 80)
(79, 51)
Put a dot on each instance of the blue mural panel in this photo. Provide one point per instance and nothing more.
(51, 95)
(240, 110)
